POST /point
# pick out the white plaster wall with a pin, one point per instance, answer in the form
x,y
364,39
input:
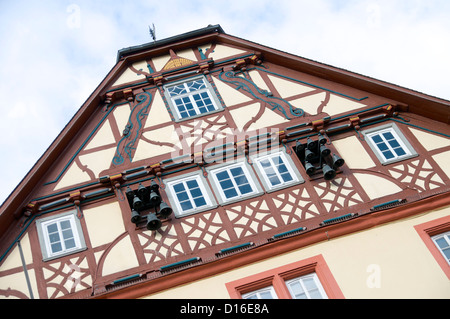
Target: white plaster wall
x,y
104,223
354,154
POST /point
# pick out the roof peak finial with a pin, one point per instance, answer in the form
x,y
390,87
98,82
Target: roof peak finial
x,y
152,31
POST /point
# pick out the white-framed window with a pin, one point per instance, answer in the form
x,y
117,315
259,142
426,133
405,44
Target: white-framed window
x,y
264,293
189,194
276,170
60,235
442,242
191,98
234,182
388,143
306,287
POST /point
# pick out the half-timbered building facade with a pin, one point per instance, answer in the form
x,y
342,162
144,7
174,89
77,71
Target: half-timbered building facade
x,y
208,166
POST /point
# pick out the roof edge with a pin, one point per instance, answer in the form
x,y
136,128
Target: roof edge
x,y
138,48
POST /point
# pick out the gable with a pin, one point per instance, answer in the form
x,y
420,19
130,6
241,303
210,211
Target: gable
x,y
167,114
137,123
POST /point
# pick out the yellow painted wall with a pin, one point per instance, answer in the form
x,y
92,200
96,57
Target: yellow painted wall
x,y
393,253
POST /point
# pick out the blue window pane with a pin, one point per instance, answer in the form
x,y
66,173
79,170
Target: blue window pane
x,y
182,109
67,233
182,196
230,193
184,115
399,151
54,237
269,171
196,192
186,205
192,184
245,189
442,243
388,154
266,295
265,163
447,253
388,136
394,143
200,201
237,171
377,139
56,247
178,187
282,169
225,184
196,85
382,146
176,90
222,175
274,180
65,224
52,228
286,177
70,243
203,110
241,180
188,103
297,289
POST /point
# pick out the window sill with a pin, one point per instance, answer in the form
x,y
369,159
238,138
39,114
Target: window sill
x,y
397,160
68,253
177,120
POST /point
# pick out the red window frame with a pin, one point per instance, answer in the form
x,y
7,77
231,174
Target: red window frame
x,y
430,229
277,277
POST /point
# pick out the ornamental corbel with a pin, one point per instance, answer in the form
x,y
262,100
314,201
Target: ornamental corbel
x,y
29,210
256,59
109,98
241,147
128,95
156,78
204,67
355,121
156,169
240,65
318,125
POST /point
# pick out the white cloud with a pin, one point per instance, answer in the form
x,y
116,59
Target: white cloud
x,y
54,56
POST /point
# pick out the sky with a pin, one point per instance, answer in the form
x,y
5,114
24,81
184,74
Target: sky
x,y
54,53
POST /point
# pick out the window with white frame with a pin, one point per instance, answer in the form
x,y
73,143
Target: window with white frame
x,y
191,98
60,235
234,182
306,287
276,170
189,194
442,242
264,293
388,143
